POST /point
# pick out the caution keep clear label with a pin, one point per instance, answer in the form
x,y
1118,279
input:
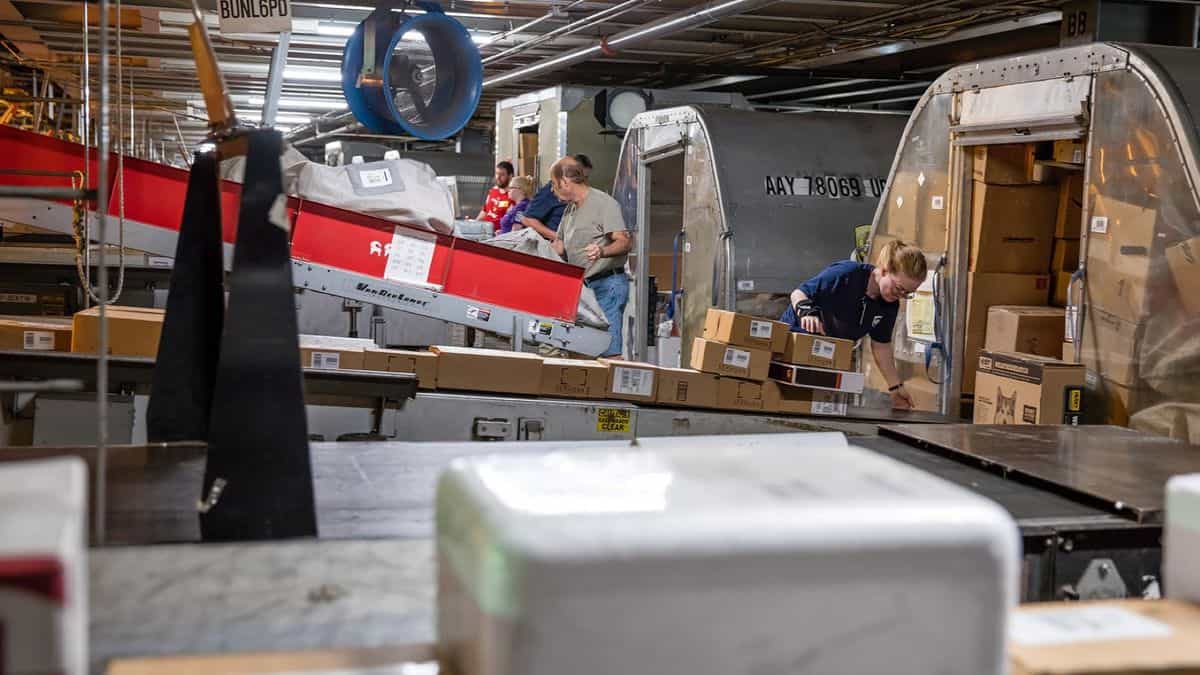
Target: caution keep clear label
x,y
254,16
613,420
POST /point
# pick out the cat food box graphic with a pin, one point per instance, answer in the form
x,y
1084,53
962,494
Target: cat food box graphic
x,y
1016,388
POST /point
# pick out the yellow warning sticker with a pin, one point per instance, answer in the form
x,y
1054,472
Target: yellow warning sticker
x,y
1075,400
613,420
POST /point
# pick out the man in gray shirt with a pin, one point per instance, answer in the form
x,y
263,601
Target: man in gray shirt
x,y
593,235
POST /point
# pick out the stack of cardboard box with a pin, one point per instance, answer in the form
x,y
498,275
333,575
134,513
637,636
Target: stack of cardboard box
x,y
738,349
812,375
1012,228
1068,225
1123,241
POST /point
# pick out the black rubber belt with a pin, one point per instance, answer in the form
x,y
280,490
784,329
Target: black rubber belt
x,y
186,367
258,438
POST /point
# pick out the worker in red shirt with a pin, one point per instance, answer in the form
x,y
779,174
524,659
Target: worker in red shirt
x,y
498,202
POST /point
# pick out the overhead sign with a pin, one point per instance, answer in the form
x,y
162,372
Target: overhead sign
x,y
255,16
829,187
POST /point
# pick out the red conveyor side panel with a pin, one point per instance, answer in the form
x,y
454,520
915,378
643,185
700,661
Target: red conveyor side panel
x,y
517,280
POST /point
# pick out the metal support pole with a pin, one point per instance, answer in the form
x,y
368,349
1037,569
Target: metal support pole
x,y
275,80
102,282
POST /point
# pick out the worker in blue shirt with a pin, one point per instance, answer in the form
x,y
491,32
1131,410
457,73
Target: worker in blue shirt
x,y
849,300
545,209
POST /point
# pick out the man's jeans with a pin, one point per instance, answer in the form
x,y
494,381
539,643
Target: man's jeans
x,y
612,292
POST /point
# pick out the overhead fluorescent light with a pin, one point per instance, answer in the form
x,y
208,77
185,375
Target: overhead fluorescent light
x,y
312,74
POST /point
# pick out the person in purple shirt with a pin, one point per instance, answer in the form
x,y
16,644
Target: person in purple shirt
x,y
519,191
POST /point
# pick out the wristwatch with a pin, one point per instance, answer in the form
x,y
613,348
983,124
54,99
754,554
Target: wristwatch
x,y
891,389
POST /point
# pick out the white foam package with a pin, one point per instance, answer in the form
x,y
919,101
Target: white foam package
x,y
1181,539
43,567
778,553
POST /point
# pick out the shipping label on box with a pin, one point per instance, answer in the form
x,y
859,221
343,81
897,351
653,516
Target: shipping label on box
x,y
1105,637
687,388
1013,388
784,398
817,378
719,358
632,382
818,350
745,330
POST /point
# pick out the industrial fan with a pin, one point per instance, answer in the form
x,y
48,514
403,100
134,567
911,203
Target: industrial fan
x,y
412,74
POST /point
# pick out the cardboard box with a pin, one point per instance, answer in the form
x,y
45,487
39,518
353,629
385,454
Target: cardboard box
x,y
719,358
1012,228
1183,259
1122,242
659,266
132,331
629,381
1031,330
686,388
916,209
330,352
745,331
1004,164
785,398
1065,257
735,394
924,393
1070,151
574,378
817,378
421,364
470,369
47,334
1111,345
1107,637
985,291
1068,223
1107,402
1068,352
818,350
1014,388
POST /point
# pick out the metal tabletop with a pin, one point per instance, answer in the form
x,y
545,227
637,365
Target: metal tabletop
x,y
1036,510
1119,470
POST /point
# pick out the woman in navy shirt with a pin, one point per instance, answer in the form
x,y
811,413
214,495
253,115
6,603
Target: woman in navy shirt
x,y
849,300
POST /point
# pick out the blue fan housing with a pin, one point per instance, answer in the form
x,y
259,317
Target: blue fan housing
x,y
459,74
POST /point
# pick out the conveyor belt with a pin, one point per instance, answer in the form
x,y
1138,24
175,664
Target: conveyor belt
x,y
1034,509
1119,470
